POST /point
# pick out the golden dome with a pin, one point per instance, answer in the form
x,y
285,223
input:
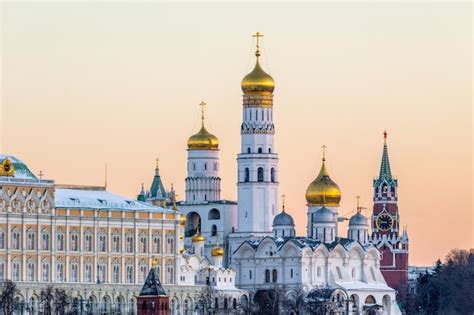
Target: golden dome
x,y
217,251
258,81
203,140
198,237
323,191
182,219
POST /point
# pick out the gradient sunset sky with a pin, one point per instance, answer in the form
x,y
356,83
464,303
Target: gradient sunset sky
x,y
86,84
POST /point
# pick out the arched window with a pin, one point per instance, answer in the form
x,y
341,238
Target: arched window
x,y
16,271
272,175
116,274
260,150
248,150
234,303
216,303
353,272
45,240
16,239
225,303
214,230
274,275
31,240
269,150
88,273
370,299
260,174
247,175
267,276
157,244
129,274
318,272
214,214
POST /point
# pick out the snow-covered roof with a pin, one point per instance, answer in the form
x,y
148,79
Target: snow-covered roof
x,y
100,199
20,170
363,286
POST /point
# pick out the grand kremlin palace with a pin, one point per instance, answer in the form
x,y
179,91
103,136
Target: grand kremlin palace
x,y
97,245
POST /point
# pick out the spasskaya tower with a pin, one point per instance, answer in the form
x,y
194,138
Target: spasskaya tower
x,y
386,234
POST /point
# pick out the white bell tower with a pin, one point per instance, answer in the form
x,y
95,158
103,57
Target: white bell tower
x,y
258,161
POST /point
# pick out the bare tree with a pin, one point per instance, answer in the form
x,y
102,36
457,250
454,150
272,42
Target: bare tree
x,y
46,298
62,301
268,300
7,297
294,301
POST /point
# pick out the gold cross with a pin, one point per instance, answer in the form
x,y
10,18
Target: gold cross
x,y
41,175
202,104
324,152
258,35
283,201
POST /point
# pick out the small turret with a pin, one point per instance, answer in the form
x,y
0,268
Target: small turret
x,y
358,226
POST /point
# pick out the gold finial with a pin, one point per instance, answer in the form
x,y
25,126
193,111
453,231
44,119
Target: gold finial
x,y
283,201
257,35
41,175
154,262
358,203
324,152
385,136
202,104
157,161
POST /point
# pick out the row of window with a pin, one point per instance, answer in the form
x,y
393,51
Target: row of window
x,y
88,242
260,175
258,114
259,150
101,275
205,166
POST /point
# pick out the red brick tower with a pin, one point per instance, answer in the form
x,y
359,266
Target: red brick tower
x,y
386,234
152,299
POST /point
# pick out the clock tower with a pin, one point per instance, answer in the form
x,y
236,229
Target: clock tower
x,y
386,234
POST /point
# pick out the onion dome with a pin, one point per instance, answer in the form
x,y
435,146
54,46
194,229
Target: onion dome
x,y
323,191
217,251
358,219
198,237
258,81
324,215
283,218
182,219
203,140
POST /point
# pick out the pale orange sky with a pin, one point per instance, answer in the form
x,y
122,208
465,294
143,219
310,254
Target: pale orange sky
x,y
89,83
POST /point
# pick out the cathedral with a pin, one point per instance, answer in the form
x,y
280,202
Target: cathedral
x,y
103,245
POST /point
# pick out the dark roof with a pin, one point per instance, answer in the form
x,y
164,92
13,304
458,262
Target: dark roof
x,y
157,189
152,286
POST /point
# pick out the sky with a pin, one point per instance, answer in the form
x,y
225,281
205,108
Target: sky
x,y
89,83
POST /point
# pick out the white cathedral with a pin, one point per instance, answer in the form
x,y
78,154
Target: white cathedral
x,y
260,247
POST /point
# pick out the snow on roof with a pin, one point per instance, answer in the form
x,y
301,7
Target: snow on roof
x,y
363,286
100,199
19,168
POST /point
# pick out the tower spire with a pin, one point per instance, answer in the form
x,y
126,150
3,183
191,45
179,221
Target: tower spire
x,y
385,172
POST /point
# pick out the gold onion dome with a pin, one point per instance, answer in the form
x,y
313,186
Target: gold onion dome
x,y
198,237
203,140
182,219
258,81
323,191
217,251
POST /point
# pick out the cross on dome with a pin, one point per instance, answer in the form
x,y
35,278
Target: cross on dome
x,y
257,36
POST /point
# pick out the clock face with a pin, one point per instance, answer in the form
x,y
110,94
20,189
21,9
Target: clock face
x,y
384,222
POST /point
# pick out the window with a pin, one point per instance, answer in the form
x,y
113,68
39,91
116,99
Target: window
x,y
318,272
157,244
259,150
74,272
194,166
45,241
142,273
170,275
102,273
129,274
205,166
247,175
129,244
16,271
248,150
353,272
74,241
291,273
31,271
60,272
267,276
214,214
339,274
31,240
116,243
116,274
214,230
45,272
272,175
88,273
269,150
102,243
250,274
215,167
16,240
2,239
143,244
274,275
260,174
2,271
60,242
170,245
88,243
